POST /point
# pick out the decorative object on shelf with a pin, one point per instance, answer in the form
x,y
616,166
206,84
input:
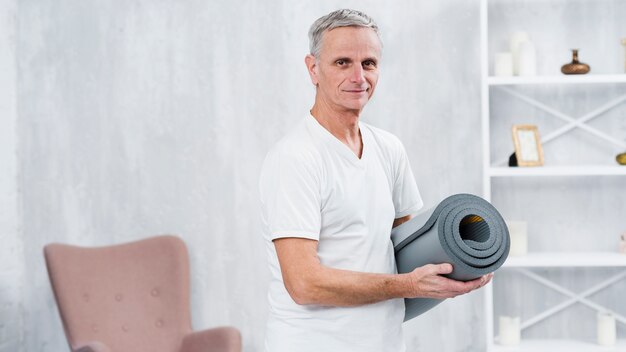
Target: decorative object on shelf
x,y
517,38
518,231
504,64
510,332
606,329
622,243
526,59
621,158
575,67
528,150
624,45
513,160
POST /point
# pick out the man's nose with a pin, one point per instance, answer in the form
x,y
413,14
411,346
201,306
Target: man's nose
x,y
357,74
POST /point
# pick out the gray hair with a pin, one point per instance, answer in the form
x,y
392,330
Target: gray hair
x,y
335,19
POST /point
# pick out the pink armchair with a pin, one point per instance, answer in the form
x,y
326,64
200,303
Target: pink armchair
x,y
130,297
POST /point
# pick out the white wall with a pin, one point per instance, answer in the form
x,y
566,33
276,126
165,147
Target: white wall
x,y
149,117
11,244
141,118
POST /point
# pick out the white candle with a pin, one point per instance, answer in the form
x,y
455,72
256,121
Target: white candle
x,y
510,333
519,237
624,44
514,43
527,62
504,64
606,329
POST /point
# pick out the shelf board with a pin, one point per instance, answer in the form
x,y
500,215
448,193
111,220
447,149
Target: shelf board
x,y
562,79
580,170
544,345
571,259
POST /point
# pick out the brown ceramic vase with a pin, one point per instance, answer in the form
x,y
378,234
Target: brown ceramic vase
x,y
575,67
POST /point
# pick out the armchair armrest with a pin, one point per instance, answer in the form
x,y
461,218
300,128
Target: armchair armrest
x,y
93,346
222,339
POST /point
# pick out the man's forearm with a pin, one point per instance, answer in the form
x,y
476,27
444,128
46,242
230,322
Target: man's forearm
x,y
308,281
336,287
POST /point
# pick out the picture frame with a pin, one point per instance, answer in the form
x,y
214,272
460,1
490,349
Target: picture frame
x,y
528,149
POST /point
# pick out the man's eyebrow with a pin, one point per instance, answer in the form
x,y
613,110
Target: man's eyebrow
x,y
347,59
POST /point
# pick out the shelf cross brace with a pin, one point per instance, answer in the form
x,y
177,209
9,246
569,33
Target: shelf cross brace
x,y
581,297
571,122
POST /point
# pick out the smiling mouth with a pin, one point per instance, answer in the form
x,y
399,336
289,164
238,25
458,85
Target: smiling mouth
x,y
356,90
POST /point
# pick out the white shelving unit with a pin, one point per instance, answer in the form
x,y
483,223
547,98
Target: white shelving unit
x,y
493,169
567,260
586,170
584,79
560,345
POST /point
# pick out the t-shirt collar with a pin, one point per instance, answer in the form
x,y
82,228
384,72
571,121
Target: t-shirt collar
x,y
331,141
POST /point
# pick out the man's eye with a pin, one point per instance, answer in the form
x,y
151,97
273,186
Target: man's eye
x,y
369,63
341,62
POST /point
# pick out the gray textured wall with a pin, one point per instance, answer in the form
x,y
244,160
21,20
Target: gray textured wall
x,y
147,117
12,276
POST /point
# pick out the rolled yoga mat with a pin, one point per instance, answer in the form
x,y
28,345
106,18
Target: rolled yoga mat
x,y
463,230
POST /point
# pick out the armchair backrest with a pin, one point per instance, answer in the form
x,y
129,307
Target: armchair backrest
x,y
131,297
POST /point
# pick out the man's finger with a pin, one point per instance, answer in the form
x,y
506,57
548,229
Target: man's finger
x,y
474,284
444,268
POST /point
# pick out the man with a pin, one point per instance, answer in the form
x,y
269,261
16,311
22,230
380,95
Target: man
x,y
331,191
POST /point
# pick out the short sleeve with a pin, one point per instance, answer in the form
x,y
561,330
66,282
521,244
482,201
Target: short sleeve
x,y
406,197
290,198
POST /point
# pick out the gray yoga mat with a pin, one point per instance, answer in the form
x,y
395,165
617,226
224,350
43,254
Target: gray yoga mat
x,y
463,230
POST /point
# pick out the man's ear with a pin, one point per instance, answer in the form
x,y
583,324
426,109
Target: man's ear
x,y
311,65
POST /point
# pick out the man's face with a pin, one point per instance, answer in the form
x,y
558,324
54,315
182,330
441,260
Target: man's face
x,y
346,71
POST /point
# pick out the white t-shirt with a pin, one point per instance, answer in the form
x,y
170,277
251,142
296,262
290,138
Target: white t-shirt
x,y
313,186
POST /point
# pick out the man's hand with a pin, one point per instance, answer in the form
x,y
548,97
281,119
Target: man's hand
x,y
427,281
